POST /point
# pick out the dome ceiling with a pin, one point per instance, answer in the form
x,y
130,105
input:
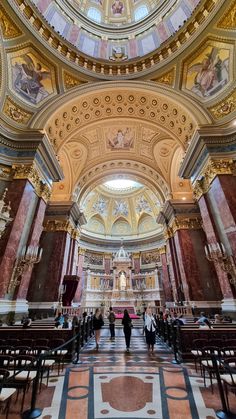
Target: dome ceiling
x,y
121,211
116,30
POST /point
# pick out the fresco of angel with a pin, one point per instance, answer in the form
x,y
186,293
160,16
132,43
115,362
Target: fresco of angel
x,y
28,79
122,139
211,74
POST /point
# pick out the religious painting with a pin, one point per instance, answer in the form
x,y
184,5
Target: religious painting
x,y
117,7
120,139
208,72
31,78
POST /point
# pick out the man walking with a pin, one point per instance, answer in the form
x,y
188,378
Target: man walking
x,y
112,319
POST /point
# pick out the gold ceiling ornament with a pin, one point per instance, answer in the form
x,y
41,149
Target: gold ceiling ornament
x,y
58,225
212,169
228,21
30,173
186,224
167,78
16,112
9,28
71,81
224,107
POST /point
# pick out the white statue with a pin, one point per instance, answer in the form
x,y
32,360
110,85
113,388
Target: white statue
x,y
122,281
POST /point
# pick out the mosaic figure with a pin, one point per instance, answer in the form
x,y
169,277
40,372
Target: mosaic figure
x,y
117,7
100,206
121,208
122,139
142,205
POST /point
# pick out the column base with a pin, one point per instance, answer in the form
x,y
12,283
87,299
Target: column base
x,y
18,306
228,306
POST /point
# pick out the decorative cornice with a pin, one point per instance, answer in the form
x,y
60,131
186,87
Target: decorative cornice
x,y
15,112
186,224
212,169
225,106
8,27
31,174
58,225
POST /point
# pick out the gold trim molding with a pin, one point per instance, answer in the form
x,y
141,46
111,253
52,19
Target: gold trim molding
x,y
186,224
71,81
162,250
31,174
224,107
16,112
9,28
61,225
228,21
212,169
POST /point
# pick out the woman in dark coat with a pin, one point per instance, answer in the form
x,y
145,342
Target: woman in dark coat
x,y
97,325
127,323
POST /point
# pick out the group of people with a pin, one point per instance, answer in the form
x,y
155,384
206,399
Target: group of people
x,y
149,327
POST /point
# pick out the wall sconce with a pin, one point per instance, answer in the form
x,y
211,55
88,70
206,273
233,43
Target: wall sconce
x,y
215,252
5,209
29,257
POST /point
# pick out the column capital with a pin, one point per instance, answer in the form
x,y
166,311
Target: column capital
x,y
107,255
82,251
162,250
58,225
186,224
136,255
29,172
212,168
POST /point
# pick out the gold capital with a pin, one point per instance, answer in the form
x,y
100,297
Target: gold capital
x,y
31,174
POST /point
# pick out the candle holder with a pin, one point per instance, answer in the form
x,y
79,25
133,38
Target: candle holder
x,y
30,256
216,253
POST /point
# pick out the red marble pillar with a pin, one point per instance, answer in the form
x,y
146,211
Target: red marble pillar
x,y
35,233
166,282
136,259
176,277
78,294
20,193
223,189
212,237
49,273
107,264
197,276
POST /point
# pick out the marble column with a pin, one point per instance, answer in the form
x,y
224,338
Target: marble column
x,y
59,242
81,274
166,281
136,263
107,263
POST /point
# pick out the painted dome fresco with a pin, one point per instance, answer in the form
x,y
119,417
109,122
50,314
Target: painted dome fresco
x,y
121,208
116,30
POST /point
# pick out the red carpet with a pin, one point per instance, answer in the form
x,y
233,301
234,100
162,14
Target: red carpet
x,y
132,316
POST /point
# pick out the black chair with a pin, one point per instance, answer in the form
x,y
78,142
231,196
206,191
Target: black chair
x,y
207,364
24,374
229,376
198,345
6,393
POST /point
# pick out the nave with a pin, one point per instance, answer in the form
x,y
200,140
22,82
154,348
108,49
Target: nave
x,y
110,383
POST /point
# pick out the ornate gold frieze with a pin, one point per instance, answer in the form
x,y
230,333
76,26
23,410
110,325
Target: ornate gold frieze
x,y
59,225
31,173
8,27
212,169
186,224
71,81
16,112
5,172
167,78
228,21
224,107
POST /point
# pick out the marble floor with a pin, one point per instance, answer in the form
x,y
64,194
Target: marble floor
x,y
113,384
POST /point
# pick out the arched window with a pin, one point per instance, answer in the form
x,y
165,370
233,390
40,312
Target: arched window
x,y
94,14
140,12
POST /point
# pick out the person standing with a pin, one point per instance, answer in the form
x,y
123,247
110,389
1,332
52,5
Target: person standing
x,y
112,319
150,329
127,324
97,325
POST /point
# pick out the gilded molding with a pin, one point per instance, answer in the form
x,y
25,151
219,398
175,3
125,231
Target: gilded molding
x,y
16,112
30,172
75,234
228,21
59,225
82,251
224,107
5,172
166,78
71,81
162,250
186,224
9,28
212,169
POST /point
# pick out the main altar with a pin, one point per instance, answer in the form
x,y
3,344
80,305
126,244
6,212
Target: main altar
x,y
122,287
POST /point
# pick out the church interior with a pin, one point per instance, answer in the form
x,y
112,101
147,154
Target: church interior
x,y
118,189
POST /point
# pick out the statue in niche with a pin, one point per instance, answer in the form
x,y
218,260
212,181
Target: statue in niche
x,y
122,281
